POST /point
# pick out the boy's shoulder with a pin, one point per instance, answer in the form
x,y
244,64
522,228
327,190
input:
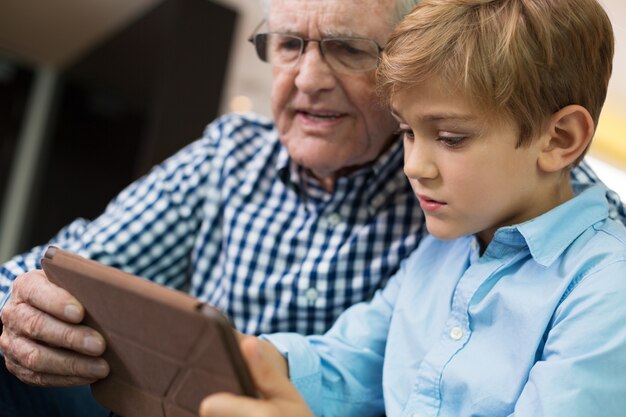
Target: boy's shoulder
x,y
579,232
599,254
605,233
606,237
583,175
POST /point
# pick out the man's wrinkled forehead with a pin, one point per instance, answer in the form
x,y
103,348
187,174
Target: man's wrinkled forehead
x,y
367,18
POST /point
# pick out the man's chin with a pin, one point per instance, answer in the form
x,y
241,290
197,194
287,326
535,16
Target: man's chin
x,y
320,164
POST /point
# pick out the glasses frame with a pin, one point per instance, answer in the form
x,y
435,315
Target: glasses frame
x,y
305,41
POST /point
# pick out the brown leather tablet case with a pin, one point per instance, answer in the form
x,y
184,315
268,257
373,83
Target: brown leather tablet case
x,y
166,350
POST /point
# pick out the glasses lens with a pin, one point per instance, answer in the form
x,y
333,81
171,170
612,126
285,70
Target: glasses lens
x,y
279,49
260,45
351,54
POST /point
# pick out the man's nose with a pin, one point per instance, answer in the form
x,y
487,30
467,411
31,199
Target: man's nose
x,y
314,73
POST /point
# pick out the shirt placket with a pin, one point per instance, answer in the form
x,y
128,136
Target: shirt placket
x,y
425,399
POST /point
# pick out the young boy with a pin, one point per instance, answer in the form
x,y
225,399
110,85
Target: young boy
x,y
515,303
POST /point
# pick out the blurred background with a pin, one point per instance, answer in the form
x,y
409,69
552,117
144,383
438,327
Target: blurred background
x,y
95,92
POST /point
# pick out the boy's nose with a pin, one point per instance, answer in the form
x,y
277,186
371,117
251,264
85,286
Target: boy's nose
x,y
418,164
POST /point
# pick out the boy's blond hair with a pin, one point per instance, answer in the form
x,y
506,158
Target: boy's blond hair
x,y
521,59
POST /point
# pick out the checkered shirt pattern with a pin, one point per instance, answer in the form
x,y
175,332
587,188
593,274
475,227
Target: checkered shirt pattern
x,y
231,220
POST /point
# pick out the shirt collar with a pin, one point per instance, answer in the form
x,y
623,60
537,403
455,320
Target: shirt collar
x,y
548,235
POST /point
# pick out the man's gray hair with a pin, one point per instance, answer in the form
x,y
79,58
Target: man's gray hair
x,y
402,8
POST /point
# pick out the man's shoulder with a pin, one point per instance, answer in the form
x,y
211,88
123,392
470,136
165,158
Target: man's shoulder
x,y
231,140
240,144
236,128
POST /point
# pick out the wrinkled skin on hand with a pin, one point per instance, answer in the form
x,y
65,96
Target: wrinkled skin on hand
x,y
43,342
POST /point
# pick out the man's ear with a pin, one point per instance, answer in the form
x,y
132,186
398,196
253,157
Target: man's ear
x,y
568,134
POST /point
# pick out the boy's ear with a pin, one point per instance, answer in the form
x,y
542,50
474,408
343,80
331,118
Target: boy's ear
x,y
568,134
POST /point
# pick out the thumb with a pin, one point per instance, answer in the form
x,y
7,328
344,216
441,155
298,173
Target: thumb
x,y
279,397
230,405
268,369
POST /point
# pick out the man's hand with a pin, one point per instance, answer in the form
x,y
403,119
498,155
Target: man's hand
x,y
42,341
279,397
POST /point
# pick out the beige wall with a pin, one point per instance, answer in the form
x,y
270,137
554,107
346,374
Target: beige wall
x,y
610,141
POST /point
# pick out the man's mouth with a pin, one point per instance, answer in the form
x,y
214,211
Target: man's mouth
x,y
321,116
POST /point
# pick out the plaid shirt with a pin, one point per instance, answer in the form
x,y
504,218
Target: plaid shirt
x,y
234,222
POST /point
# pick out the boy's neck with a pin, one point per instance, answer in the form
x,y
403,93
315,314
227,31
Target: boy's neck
x,y
553,193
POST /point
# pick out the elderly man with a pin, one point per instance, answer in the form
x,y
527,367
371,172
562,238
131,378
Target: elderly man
x,y
281,224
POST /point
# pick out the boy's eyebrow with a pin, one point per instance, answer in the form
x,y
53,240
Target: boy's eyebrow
x,y
439,116
448,116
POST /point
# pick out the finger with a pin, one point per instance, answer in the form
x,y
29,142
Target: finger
x,y
229,405
45,380
30,358
34,288
25,320
267,376
280,398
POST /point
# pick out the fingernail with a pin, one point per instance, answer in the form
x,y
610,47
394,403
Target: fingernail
x,y
72,312
93,345
98,370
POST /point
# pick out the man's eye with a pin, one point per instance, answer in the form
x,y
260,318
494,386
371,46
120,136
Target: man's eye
x,y
349,49
289,45
344,49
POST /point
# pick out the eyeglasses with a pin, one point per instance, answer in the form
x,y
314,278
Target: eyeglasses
x,y
344,54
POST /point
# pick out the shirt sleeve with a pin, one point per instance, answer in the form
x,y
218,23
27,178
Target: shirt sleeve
x,y
340,372
582,371
147,230
583,174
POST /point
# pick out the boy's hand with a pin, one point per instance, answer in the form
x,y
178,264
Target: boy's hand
x,y
279,397
42,340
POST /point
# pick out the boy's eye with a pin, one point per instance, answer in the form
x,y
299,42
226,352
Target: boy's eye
x,y
406,133
452,141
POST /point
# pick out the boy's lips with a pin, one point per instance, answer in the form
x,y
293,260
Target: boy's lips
x,y
428,204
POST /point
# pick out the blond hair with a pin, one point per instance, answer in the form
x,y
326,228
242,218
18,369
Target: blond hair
x,y
521,59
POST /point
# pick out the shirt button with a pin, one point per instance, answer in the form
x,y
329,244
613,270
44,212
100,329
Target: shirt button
x,y
333,219
311,294
456,333
474,245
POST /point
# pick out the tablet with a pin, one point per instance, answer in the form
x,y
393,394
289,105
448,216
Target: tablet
x,y
166,350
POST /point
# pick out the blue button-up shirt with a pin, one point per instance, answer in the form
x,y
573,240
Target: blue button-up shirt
x,y
536,326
